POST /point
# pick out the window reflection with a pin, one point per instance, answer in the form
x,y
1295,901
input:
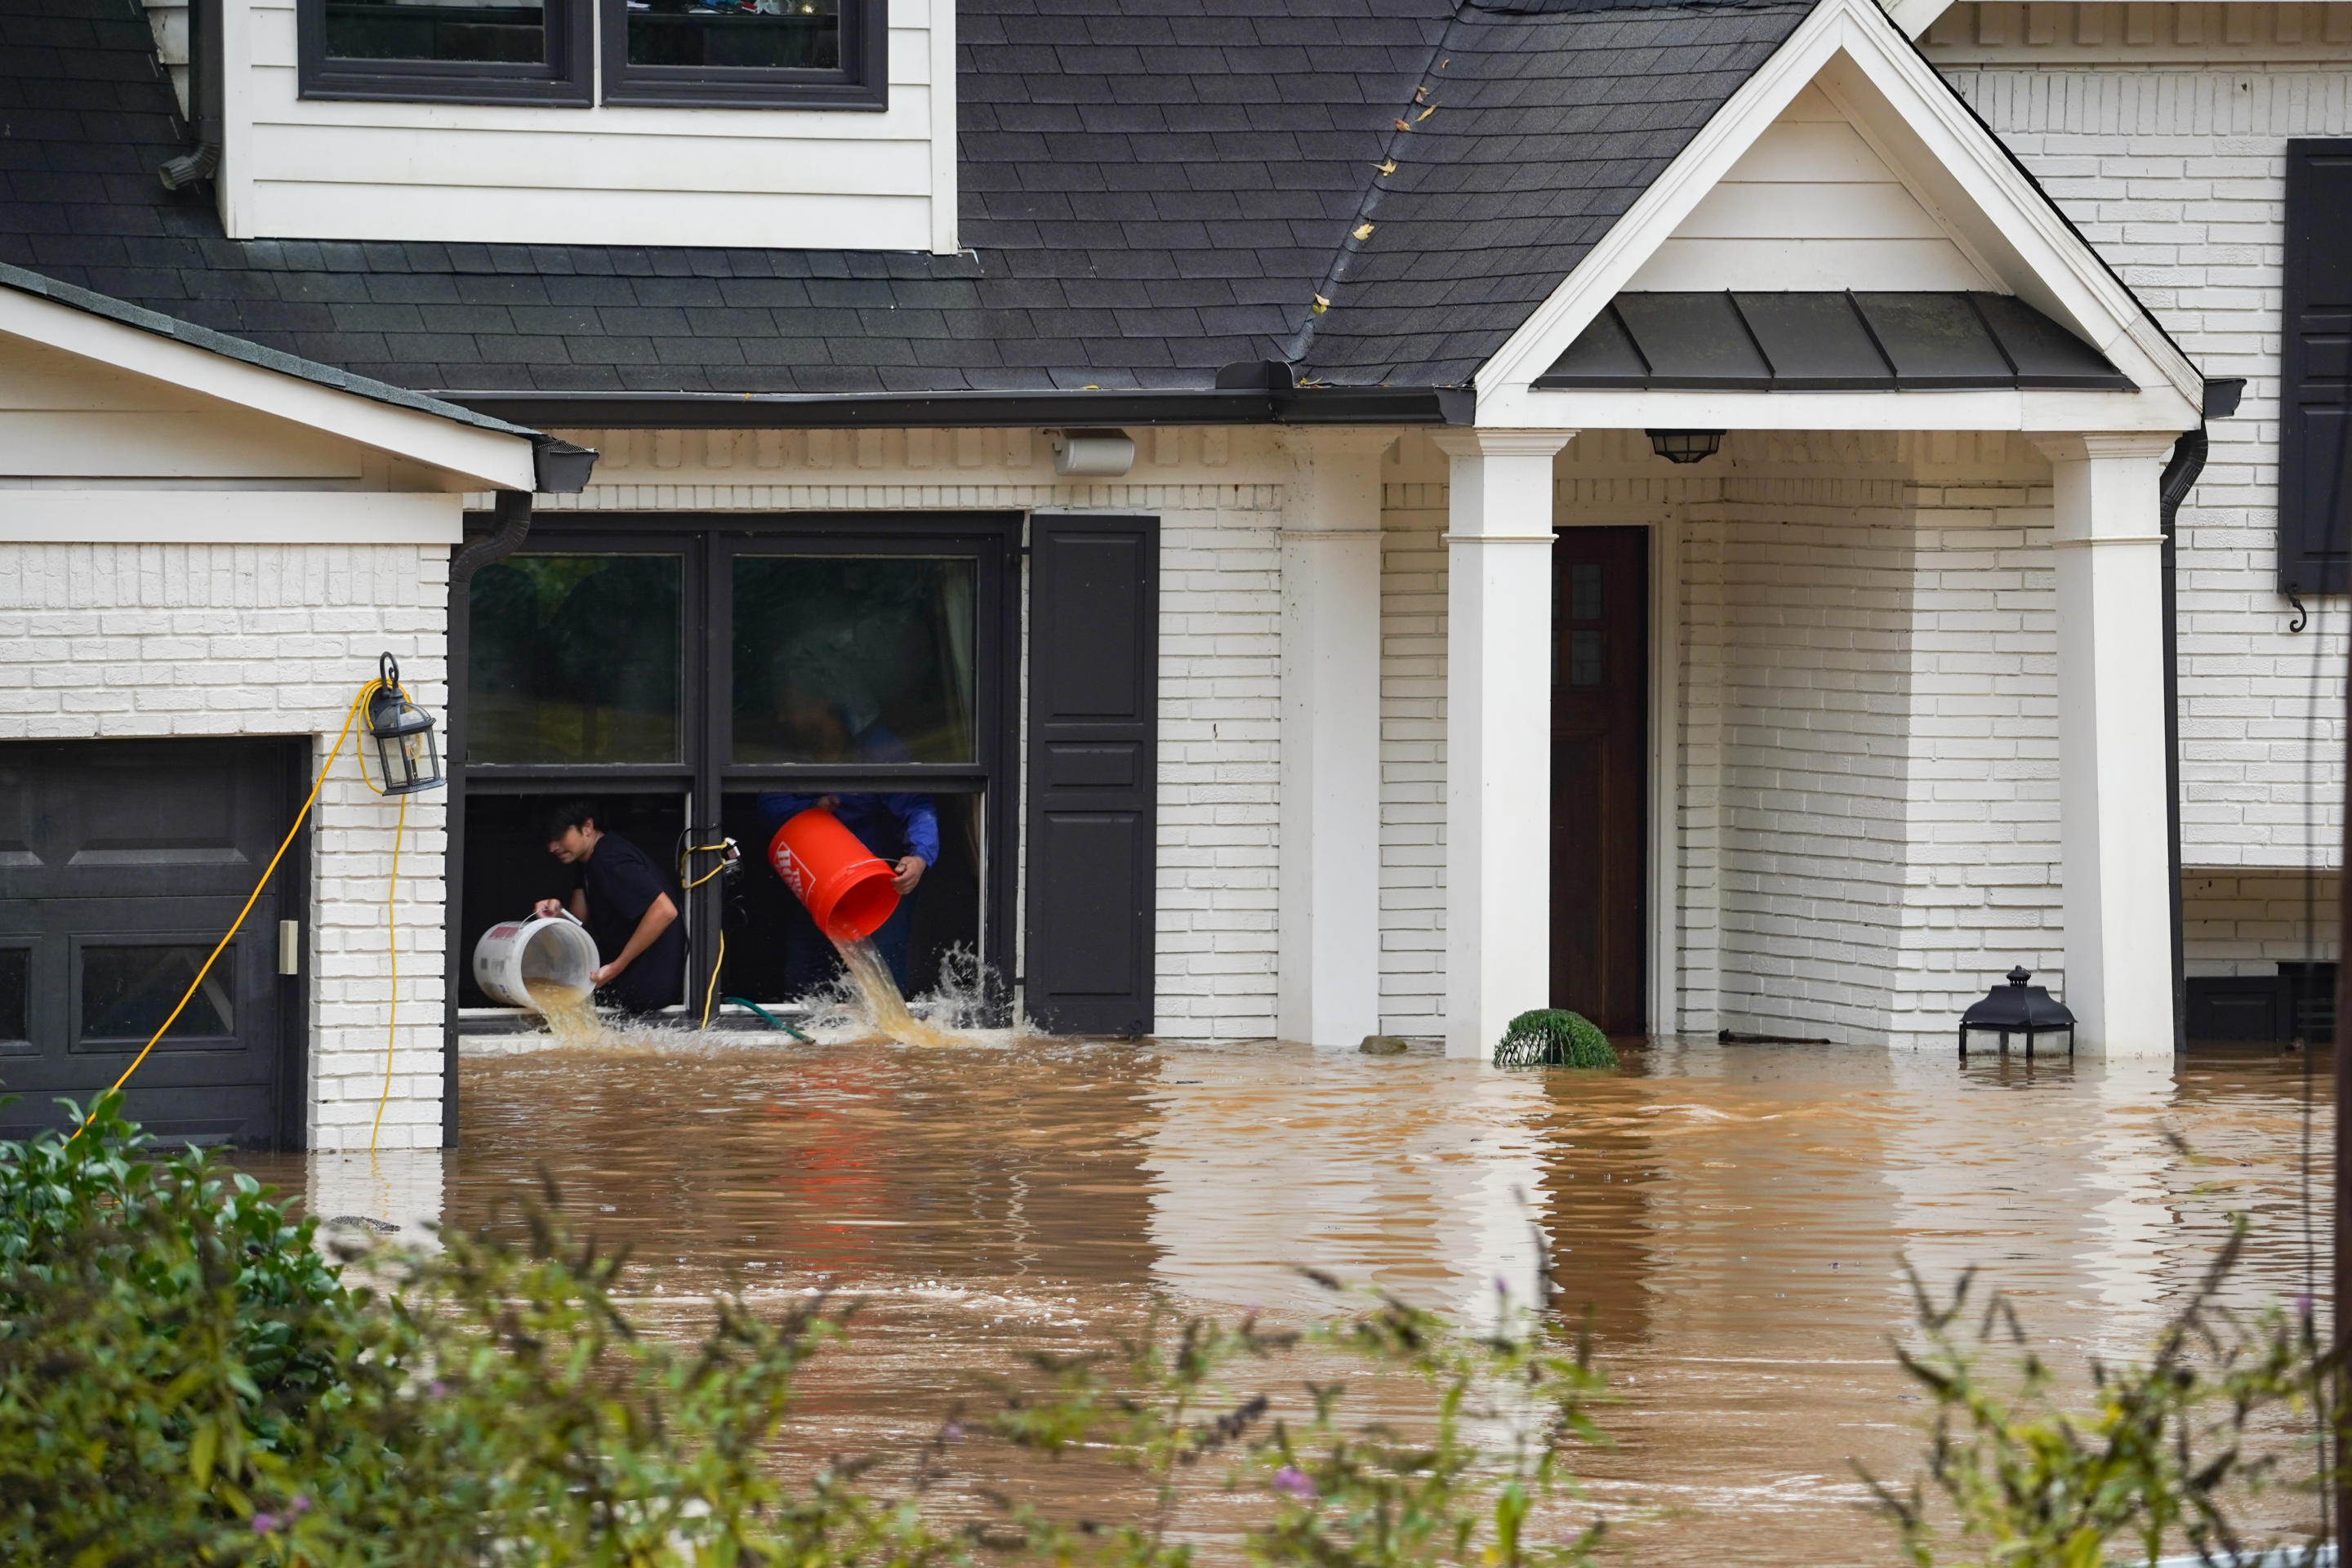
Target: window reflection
x,y
575,658
505,33
15,993
128,992
803,35
853,658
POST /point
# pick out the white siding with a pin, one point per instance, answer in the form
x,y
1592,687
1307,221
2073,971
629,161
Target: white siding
x,y
2163,136
784,178
1810,206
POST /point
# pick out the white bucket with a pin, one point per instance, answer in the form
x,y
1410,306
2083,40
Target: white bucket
x,y
537,948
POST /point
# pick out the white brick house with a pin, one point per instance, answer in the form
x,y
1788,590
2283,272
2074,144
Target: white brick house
x,y
1450,694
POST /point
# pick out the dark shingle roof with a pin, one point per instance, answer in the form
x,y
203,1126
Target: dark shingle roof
x,y
252,354
1150,191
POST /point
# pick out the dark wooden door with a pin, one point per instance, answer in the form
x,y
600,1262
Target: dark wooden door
x,y
1094,694
121,862
1600,774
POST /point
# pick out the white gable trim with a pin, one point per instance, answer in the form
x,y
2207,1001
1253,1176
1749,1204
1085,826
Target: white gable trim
x,y
467,457
1855,52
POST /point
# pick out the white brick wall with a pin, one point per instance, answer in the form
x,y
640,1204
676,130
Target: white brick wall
x,y
117,641
2238,922
1220,496
2165,142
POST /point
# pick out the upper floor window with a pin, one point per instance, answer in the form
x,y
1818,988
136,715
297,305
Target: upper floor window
x,y
745,54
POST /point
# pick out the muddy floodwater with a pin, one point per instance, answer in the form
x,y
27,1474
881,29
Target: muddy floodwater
x,y
1738,1217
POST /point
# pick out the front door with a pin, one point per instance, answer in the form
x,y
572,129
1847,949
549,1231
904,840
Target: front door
x,y
1600,773
121,862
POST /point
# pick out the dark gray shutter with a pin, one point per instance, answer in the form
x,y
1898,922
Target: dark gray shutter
x,y
1094,685
2314,544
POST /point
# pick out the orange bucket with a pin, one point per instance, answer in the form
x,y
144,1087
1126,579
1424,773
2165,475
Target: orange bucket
x,y
848,891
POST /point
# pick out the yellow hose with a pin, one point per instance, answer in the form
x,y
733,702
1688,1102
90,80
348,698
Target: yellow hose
x,y
391,956
350,716
710,993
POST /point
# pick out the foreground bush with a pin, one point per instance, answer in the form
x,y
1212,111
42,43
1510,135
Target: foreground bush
x,y
184,1379
2225,1407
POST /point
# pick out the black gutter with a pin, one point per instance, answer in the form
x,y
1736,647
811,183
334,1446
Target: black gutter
x,y
964,410
2179,475
2188,461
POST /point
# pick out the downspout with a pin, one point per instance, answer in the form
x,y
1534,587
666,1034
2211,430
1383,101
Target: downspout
x,y
2220,401
511,509
558,468
2180,477
206,122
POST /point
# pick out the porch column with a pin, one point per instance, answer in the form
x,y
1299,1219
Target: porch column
x,y
1327,906
2111,766
1498,659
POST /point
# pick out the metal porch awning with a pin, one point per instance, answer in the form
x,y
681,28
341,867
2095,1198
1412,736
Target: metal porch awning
x,y
1828,343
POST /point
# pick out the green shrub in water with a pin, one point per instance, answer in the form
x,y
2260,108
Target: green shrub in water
x,y
1552,1036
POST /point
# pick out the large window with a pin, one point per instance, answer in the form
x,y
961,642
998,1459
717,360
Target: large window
x,y
701,678
493,51
751,53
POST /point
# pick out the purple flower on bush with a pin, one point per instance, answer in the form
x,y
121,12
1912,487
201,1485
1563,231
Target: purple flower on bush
x,y
263,1524
300,1505
1294,1481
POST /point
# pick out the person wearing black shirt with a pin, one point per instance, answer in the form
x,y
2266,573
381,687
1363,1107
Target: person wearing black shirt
x,y
626,904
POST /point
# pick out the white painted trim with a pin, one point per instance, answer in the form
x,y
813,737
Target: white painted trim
x,y
2049,264
1915,17
1666,770
231,516
944,135
2163,411
471,458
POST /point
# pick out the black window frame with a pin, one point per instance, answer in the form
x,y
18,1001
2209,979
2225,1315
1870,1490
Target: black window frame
x,y
862,83
705,773
564,79
2314,548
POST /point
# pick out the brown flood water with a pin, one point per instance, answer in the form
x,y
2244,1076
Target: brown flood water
x,y
1737,1216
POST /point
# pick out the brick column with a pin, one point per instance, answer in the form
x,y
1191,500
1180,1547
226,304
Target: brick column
x,y
1498,658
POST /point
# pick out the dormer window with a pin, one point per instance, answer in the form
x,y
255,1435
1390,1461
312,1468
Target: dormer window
x,y
721,54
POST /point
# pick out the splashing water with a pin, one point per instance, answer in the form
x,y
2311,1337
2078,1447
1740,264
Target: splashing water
x,y
884,1007
571,1014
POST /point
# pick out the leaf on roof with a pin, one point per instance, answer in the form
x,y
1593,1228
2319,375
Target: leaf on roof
x,y
1424,114
1403,126
1385,166
1363,231
1420,94
1321,304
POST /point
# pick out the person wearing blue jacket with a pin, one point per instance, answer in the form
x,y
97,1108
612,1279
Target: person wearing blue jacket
x,y
902,830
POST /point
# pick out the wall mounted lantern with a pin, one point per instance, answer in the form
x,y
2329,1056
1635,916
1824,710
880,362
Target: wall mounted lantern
x,y
2018,1008
407,759
1686,446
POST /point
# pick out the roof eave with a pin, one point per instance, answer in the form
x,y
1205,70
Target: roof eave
x,y
971,410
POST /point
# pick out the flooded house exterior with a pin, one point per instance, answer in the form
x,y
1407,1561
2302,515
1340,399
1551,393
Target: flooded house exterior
x,y
1358,516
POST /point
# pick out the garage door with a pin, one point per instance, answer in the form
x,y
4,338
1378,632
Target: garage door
x,y
121,864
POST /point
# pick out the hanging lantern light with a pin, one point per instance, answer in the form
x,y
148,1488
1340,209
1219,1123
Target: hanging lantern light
x,y
1686,446
408,760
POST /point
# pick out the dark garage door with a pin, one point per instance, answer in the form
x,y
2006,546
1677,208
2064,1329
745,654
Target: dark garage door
x,y
121,864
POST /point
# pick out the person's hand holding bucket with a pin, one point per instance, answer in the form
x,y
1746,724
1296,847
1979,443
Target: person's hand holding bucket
x,y
849,890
